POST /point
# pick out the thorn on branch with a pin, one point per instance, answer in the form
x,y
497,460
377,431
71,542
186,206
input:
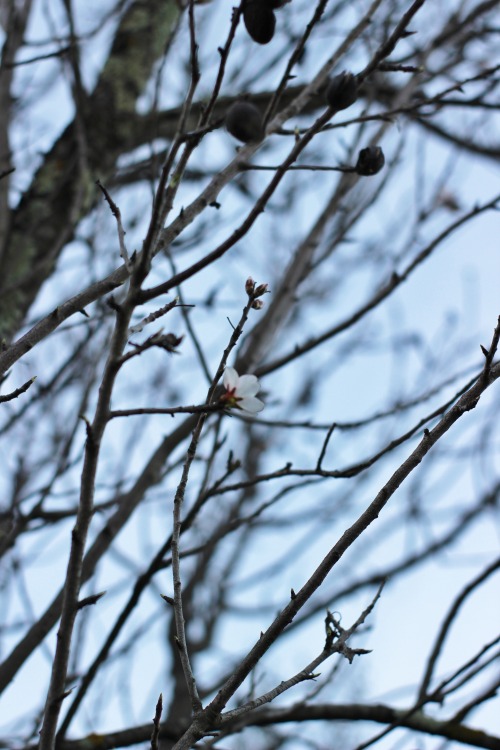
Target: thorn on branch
x,y
63,696
90,600
350,653
490,353
156,723
333,629
22,389
472,405
233,464
113,304
88,427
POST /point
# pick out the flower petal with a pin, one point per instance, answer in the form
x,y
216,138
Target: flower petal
x,y
230,378
248,385
251,404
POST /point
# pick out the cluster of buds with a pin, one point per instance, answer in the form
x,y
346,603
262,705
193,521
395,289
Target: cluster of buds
x,y
240,390
370,161
255,291
342,91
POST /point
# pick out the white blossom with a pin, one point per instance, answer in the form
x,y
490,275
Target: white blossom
x,y
241,391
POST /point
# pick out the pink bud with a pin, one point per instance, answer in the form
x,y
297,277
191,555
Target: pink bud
x,y
261,289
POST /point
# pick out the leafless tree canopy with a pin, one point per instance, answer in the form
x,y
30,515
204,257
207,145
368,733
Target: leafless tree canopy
x,y
302,191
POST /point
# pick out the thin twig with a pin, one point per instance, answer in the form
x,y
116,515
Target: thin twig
x,y
308,672
121,232
198,409
224,54
152,317
325,445
22,389
447,623
156,723
177,521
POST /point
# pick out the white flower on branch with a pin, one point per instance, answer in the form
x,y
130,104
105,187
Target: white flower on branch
x,y
241,391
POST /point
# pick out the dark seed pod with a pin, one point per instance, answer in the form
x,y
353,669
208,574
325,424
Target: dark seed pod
x,y
342,91
244,121
370,161
260,21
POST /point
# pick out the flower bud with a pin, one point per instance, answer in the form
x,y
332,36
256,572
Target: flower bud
x,y
261,289
342,91
249,286
260,21
370,161
244,122
257,304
